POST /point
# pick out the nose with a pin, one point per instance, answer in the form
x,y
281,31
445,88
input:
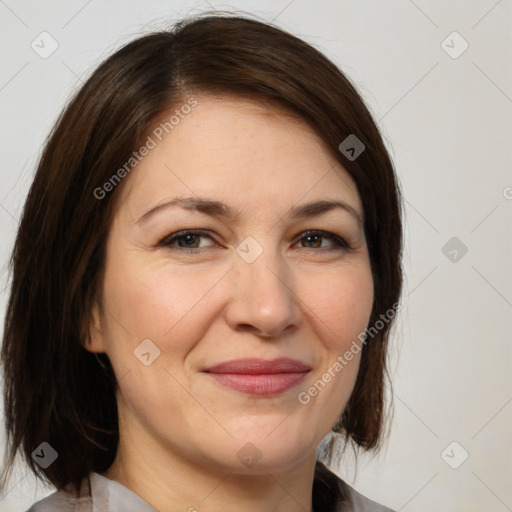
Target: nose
x,y
264,299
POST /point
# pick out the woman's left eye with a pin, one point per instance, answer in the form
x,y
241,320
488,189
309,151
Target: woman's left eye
x,y
315,238
190,241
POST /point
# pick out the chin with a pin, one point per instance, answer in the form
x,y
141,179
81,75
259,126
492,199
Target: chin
x,y
258,452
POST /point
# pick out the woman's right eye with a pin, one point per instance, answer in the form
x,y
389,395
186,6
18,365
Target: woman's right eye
x,y
187,241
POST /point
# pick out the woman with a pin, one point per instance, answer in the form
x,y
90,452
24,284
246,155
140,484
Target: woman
x,y
204,279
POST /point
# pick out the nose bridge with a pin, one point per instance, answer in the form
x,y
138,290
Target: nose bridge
x,y
267,272
265,297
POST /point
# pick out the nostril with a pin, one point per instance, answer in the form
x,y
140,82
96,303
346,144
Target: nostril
x,y
255,330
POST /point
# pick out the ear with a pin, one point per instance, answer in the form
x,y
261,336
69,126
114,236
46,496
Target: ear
x,y
94,339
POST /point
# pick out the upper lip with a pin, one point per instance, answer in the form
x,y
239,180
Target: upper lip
x,y
253,366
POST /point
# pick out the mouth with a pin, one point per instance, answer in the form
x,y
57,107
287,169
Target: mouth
x,y
259,377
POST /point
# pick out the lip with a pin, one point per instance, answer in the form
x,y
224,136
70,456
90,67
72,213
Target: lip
x,y
254,366
259,377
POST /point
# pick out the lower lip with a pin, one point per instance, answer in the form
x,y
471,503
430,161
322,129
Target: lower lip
x,y
261,385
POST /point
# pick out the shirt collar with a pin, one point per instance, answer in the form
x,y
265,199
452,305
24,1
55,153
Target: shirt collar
x,y
109,495
112,496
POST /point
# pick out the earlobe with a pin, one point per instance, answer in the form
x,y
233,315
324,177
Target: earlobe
x,y
93,341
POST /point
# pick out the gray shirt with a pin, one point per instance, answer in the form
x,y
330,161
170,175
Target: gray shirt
x,y
100,494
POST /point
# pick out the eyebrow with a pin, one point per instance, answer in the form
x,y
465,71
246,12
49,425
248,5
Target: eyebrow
x,y
222,210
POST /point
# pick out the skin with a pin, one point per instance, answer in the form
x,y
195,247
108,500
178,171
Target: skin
x,y
303,298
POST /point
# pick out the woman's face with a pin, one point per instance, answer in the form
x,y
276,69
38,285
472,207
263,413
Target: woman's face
x,y
251,284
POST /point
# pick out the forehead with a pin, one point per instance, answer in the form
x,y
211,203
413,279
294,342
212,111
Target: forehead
x,y
238,151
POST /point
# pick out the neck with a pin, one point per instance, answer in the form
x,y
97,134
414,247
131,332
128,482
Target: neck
x,y
170,482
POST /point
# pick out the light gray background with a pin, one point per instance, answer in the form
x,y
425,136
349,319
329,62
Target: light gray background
x,y
448,125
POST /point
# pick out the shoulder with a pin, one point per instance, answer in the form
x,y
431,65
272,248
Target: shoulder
x,y
332,494
356,502
59,501
65,501
97,493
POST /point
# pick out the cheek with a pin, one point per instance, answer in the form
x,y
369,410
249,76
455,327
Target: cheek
x,y
340,305
341,300
172,307
144,300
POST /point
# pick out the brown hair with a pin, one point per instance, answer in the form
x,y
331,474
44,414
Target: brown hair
x,y
55,390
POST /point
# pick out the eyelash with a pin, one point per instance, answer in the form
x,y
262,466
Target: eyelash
x,y
339,243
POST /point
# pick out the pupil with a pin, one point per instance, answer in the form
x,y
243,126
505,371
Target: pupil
x,y
189,239
314,239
